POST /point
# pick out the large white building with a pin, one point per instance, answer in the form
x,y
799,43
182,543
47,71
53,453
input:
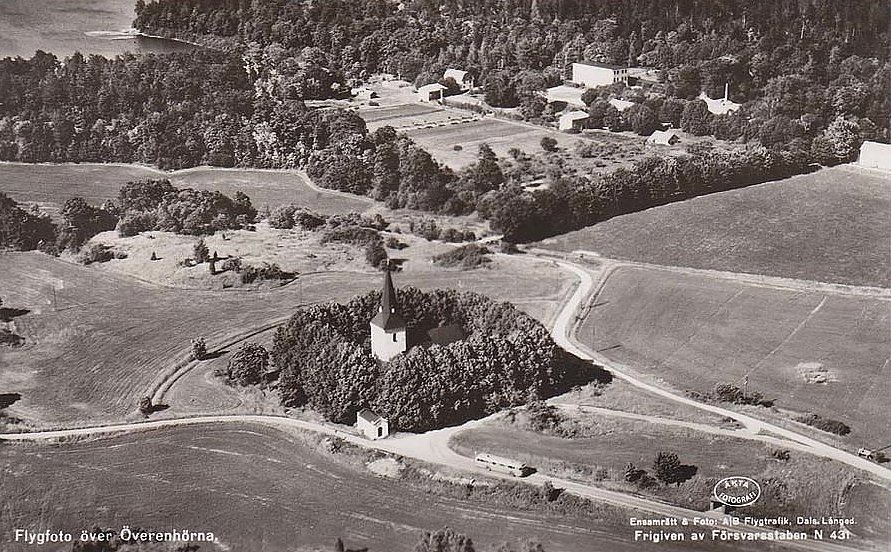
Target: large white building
x,y
591,74
431,92
875,155
388,330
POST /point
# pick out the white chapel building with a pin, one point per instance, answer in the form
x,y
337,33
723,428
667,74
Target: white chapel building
x,y
388,331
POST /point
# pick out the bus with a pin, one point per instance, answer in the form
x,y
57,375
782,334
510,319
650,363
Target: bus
x,y
501,464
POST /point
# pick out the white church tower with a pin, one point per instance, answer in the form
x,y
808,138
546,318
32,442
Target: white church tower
x,y
387,327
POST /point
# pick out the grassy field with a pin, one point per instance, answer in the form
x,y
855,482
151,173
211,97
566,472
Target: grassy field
x,y
51,185
269,491
812,486
108,337
830,226
694,331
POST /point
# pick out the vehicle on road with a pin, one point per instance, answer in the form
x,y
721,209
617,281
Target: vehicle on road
x,y
504,465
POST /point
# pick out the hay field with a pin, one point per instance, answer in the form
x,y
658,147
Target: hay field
x,y
109,336
51,185
830,226
270,492
694,331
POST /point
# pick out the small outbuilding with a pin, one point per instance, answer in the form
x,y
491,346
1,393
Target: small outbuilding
x,y
875,155
572,120
463,78
363,93
565,96
620,105
431,92
663,137
372,425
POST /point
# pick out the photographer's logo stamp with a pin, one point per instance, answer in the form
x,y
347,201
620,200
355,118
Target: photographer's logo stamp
x,y
737,491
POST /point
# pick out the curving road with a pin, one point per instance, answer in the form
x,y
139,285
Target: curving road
x,y
562,334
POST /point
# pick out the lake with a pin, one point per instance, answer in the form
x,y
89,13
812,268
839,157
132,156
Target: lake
x,y
62,27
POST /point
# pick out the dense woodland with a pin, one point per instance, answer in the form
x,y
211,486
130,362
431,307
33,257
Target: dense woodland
x,y
325,361
812,77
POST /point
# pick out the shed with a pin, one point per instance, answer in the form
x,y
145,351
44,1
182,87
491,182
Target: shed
x,y
372,425
572,120
363,93
875,155
431,92
569,95
664,137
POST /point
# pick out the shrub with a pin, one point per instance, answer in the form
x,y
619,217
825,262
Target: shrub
x,y
199,348
282,217
233,264
98,253
200,252
727,392
266,271
781,455
248,365
395,243
145,405
467,256
548,144
824,424
509,248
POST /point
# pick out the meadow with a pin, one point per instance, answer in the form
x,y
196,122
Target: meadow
x,y
829,226
97,341
270,491
693,331
50,185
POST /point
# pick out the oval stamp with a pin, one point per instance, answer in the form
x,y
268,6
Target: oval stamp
x,y
737,491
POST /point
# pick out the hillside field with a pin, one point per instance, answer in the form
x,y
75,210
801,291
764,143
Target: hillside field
x,y
830,226
693,331
269,491
50,185
96,347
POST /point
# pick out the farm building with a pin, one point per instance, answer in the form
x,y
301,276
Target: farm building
x,y
598,74
388,328
621,105
721,105
566,95
573,120
663,137
431,92
875,155
372,425
363,93
463,78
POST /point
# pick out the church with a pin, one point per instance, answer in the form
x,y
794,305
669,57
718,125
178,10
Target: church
x,y
389,331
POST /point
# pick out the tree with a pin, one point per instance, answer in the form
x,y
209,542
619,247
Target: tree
x,y
199,348
338,545
666,466
248,365
500,90
548,144
642,119
201,252
696,118
145,405
444,540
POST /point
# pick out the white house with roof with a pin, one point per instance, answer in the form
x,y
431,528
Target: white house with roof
x,y
620,105
593,74
372,425
431,92
572,120
463,78
569,95
720,106
875,155
664,138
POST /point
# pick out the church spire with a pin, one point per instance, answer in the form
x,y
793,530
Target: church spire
x,y
387,317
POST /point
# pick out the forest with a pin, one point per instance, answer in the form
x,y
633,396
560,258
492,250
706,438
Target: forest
x,y
812,80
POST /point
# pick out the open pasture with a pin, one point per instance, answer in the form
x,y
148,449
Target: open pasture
x,y
96,341
693,331
828,226
51,185
270,492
